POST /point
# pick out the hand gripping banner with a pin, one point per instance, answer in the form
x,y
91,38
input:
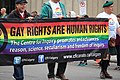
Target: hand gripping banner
x,y
52,40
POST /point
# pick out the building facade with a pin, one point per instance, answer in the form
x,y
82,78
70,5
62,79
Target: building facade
x,y
93,7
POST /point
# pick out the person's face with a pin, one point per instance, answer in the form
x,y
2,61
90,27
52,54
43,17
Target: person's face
x,y
109,9
21,7
2,11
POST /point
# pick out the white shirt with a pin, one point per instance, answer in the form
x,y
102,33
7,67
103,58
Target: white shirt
x,y
113,23
22,14
57,12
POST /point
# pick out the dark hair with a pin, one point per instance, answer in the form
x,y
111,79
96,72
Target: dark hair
x,y
118,15
34,12
85,16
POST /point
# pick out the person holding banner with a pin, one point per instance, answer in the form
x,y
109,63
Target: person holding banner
x,y
20,13
113,28
54,9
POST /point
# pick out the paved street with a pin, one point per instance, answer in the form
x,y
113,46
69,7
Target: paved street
x,y
73,72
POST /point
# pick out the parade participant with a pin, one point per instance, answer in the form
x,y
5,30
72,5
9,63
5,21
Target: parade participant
x,y
118,46
20,13
50,10
71,14
3,13
34,14
113,27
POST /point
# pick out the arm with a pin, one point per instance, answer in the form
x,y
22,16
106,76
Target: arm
x,y
63,9
44,12
118,27
10,16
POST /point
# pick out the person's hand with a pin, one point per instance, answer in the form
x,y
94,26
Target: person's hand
x,y
78,17
30,18
112,42
61,17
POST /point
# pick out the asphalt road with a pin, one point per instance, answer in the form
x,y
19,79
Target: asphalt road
x,y
73,72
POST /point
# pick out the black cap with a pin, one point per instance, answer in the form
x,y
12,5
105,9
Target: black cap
x,y
108,3
20,1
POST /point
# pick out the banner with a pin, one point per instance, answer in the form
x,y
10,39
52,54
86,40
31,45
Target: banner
x,y
52,40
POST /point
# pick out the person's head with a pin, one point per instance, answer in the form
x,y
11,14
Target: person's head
x,y
21,5
3,11
108,7
85,16
55,1
72,14
118,17
34,13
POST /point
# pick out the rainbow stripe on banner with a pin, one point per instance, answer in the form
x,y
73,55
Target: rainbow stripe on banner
x,y
30,38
